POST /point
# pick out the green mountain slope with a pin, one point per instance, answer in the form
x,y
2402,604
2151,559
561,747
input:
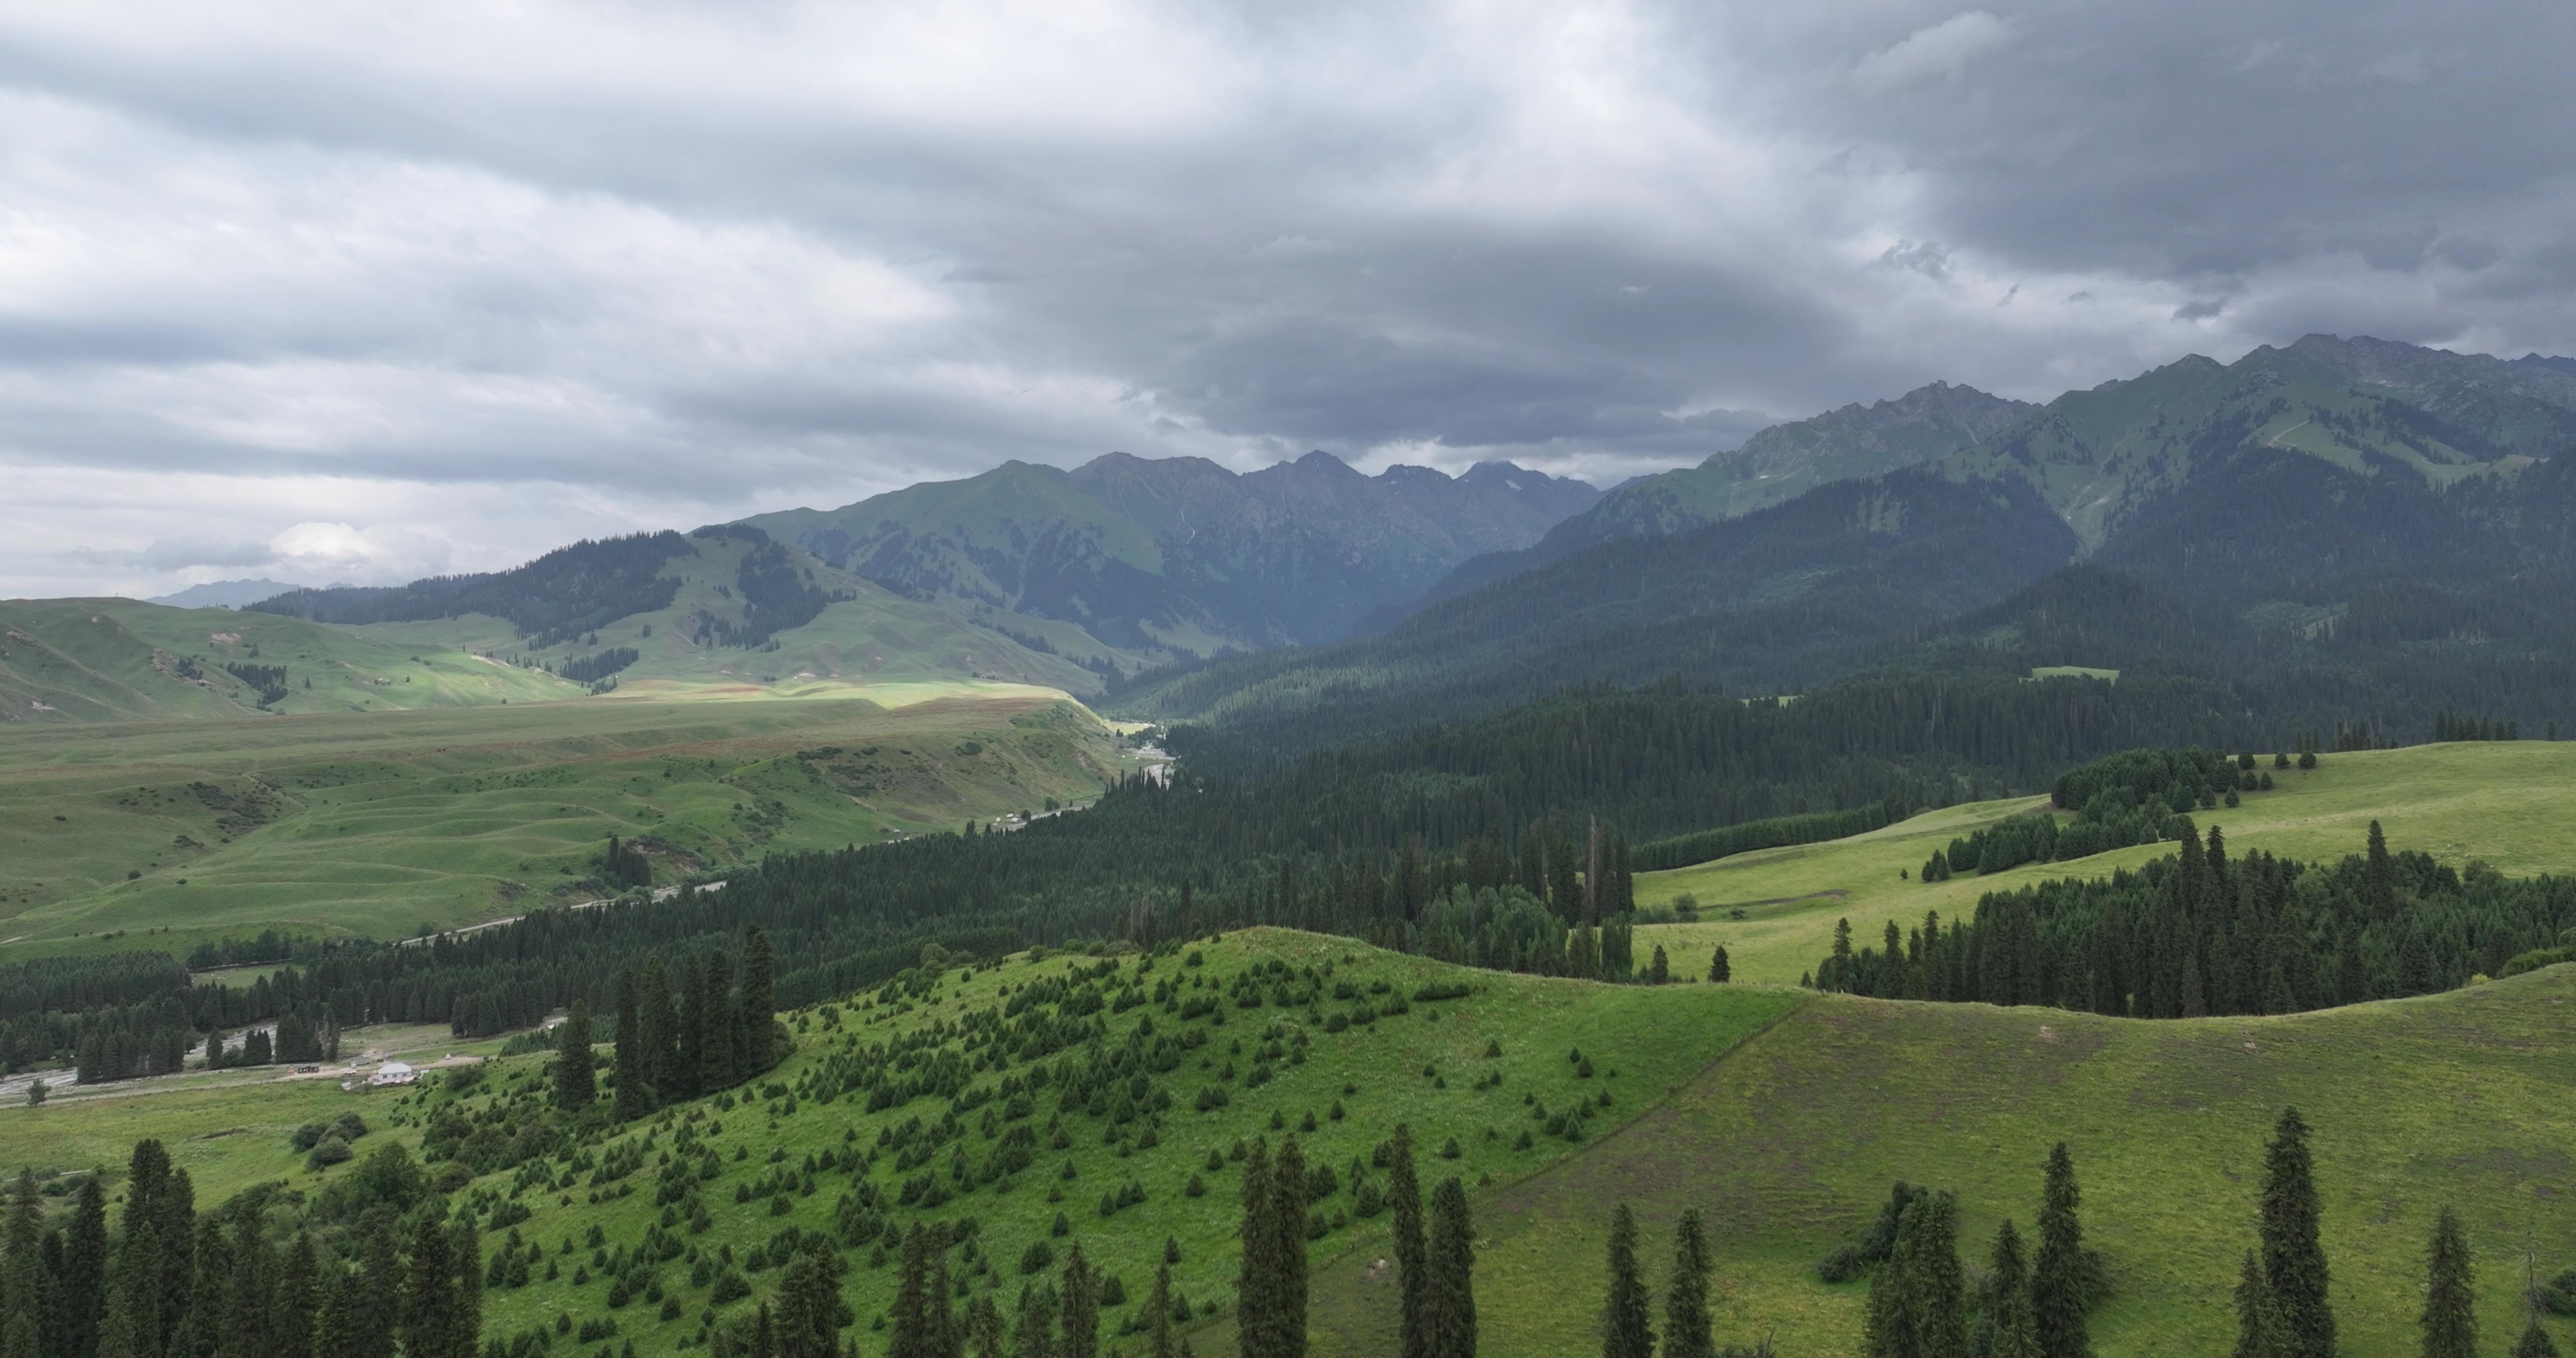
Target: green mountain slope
x,y
1772,467
373,824
1182,556
90,660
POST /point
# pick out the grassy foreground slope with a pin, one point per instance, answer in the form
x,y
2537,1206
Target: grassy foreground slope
x,y
376,823
2510,803
1789,1144
1279,1063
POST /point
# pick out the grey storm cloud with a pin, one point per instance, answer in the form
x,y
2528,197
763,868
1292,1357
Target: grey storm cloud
x,y
415,285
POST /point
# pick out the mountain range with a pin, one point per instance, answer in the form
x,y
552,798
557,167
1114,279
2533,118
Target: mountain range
x,y
2325,514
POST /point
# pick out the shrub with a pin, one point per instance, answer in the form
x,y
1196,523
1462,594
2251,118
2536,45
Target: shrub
x,y
1037,1258
329,1151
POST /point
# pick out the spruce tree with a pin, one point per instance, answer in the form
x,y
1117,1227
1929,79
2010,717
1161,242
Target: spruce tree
x,y
1717,968
429,1315
376,1291
1686,1323
466,1248
2378,876
913,1337
1928,1260
2008,1302
1082,1305
22,1303
689,1059
175,1230
1034,1334
2535,1342
757,1047
724,1029
298,1298
1451,1326
1157,1318
2294,1262
1404,1196
575,1083
634,1063
1288,1182
2257,1333
2450,1318
984,1326
250,1317
1256,1286
2057,1278
1624,1331
85,1255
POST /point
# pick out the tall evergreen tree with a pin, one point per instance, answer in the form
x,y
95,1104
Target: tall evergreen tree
x,y
757,1048
1404,1197
634,1061
375,1294
810,1312
429,1311
250,1315
657,1029
576,1086
2294,1262
85,1254
1288,1224
2378,876
466,1249
1928,1260
1081,1306
2008,1300
1686,1323
298,1298
1624,1331
201,1327
2257,1330
1450,1328
1157,1318
689,1062
724,1029
913,1336
2450,1317
984,1326
2057,1279
22,1303
174,1208
1256,1286
1034,1334
2535,1342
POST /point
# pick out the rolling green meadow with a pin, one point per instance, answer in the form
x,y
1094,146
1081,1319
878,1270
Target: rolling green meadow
x,y
2508,803
378,823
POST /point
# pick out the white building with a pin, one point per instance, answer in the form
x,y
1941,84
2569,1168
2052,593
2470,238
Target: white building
x,y
393,1073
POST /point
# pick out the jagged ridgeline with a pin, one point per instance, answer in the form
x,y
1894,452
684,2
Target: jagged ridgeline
x,y
2196,932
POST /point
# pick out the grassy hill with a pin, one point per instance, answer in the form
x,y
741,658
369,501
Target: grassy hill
x,y
1356,1083
2501,801
377,823
82,660
1790,1142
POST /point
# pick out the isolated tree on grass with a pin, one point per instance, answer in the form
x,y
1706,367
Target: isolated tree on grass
x,y
576,1082
2058,1284
1157,1319
1624,1331
1404,1195
1717,968
1450,1322
1686,1323
2294,1262
2450,1317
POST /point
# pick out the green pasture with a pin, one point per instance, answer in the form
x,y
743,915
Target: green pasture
x,y
378,823
1789,1143
2510,803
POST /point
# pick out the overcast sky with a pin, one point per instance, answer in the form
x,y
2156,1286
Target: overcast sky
x,y
366,291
